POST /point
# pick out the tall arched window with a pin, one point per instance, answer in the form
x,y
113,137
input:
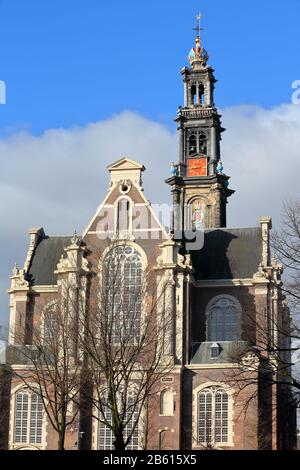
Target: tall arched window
x,y
50,327
192,145
213,416
197,143
28,419
106,436
203,143
193,94
201,94
223,319
123,286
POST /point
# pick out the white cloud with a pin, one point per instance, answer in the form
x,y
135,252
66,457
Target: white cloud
x,y
261,153
58,179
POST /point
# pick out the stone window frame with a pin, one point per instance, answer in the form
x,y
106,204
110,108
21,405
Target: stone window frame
x,y
49,305
230,392
144,261
96,425
193,96
203,199
25,445
197,132
239,313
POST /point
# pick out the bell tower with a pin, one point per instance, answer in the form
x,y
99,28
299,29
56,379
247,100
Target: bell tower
x,y
198,181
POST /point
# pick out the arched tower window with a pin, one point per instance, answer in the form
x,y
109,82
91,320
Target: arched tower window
x,y
122,284
193,94
192,144
197,143
197,94
212,416
203,143
201,94
28,419
223,319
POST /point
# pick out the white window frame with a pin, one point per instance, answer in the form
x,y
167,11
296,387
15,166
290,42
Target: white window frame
x,y
29,444
134,252
108,435
217,386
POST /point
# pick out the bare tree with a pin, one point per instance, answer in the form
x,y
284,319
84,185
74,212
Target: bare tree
x,y
271,362
286,244
125,337
5,384
53,366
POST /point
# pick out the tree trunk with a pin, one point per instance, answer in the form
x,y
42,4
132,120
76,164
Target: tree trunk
x,y
61,439
61,442
119,444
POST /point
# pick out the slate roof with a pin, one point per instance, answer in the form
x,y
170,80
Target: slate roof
x,y
230,352
228,254
24,354
45,259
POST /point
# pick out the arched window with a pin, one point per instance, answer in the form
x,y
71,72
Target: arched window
x,y
166,405
105,434
123,287
213,416
193,94
197,143
203,143
201,94
50,324
28,419
223,319
192,145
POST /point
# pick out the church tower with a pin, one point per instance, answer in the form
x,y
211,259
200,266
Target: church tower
x,y
197,181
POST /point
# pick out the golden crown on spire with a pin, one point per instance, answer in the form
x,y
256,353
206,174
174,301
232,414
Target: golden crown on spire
x,y
198,54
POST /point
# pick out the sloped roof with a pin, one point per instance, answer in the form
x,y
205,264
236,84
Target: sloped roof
x,y
230,352
45,259
228,254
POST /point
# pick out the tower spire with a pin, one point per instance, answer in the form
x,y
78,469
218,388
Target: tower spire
x,y
198,56
198,27
198,179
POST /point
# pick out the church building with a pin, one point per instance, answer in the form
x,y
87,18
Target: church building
x,y
224,290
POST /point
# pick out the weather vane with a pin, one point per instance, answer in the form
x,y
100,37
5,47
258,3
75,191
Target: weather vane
x,y
198,27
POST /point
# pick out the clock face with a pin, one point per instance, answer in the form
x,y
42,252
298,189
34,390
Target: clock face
x,y
197,167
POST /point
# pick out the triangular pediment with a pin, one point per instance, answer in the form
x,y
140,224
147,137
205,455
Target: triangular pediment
x,y
124,164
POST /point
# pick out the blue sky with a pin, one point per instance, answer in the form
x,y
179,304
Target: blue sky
x,y
89,81
69,62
